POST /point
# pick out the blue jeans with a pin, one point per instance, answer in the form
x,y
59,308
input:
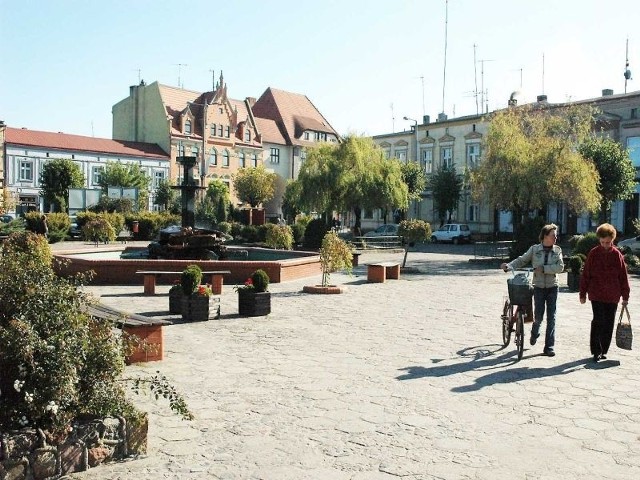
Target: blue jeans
x,y
545,298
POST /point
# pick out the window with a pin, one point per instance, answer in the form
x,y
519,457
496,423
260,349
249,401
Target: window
x,y
247,134
213,130
634,113
254,160
633,144
367,213
473,155
187,127
321,137
401,155
213,157
220,130
473,213
446,156
158,176
306,135
275,155
387,154
26,170
180,150
96,173
195,151
241,160
427,160
226,132
225,158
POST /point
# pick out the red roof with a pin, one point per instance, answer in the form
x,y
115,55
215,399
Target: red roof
x,y
78,143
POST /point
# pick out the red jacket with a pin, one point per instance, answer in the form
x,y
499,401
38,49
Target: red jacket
x,y
604,276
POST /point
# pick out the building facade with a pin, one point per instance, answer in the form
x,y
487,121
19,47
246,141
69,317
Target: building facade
x,y
224,134
27,151
458,142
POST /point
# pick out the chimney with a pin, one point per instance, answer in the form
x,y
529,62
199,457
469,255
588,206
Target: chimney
x,y
442,117
542,99
606,92
426,119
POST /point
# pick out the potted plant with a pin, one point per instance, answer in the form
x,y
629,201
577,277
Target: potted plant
x,y
576,264
254,299
196,297
335,254
175,297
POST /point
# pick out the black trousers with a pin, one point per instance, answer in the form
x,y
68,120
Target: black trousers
x,y
604,317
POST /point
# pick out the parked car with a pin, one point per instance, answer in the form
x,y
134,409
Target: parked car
x,y
388,229
452,232
6,218
633,243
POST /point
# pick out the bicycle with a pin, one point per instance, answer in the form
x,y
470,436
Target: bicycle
x,y
515,307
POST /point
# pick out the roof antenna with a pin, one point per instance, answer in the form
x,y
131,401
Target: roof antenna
x,y
627,72
180,65
446,26
393,119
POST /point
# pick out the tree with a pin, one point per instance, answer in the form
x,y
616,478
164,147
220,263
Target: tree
x,y
254,185
291,200
531,159
56,178
218,193
615,168
116,174
351,176
446,184
165,195
413,175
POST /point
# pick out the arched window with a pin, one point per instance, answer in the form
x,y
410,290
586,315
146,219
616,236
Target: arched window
x,y
187,127
213,157
225,158
241,160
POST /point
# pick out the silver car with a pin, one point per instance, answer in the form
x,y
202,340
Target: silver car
x,y
452,232
388,229
632,243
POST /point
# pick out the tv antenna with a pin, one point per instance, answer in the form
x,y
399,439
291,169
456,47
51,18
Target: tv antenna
x,y
139,73
180,65
424,111
393,120
444,74
483,91
543,73
475,76
627,72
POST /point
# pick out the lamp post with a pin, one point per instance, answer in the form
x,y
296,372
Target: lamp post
x,y
415,128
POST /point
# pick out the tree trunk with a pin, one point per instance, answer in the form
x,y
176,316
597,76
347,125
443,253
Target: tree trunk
x,y
357,227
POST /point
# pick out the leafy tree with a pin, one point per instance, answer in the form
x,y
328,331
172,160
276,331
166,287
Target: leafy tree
x,y
218,194
165,195
616,171
254,185
56,178
446,184
291,200
351,176
531,159
413,175
125,175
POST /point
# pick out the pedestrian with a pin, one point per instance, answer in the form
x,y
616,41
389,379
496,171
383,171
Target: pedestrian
x,y
546,260
44,228
604,278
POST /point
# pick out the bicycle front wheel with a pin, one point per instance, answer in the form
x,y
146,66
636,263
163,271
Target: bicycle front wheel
x,y
520,332
506,323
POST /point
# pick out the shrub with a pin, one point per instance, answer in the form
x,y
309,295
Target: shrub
x,y
260,280
98,230
59,225
224,227
576,263
315,233
586,243
413,231
297,229
150,223
632,261
279,236
249,233
335,254
190,279
236,229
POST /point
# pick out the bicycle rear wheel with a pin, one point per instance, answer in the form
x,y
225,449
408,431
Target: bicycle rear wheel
x,y
506,323
520,331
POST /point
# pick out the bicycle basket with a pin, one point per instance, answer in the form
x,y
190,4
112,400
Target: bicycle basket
x,y
520,289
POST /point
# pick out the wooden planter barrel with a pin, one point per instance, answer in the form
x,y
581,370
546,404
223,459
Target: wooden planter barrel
x,y
252,304
195,308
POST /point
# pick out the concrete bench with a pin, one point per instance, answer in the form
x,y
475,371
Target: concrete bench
x,y
150,276
147,329
379,272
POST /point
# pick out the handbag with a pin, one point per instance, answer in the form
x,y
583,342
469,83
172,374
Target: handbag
x,y
624,335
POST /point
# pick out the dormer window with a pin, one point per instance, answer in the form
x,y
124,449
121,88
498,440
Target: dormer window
x,y
306,135
247,134
187,127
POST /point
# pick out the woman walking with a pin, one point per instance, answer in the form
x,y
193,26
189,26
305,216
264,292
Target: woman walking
x,y
605,280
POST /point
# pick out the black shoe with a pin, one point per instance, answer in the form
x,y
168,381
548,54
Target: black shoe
x,y
596,358
533,339
550,353
603,357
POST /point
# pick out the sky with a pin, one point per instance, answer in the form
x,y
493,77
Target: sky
x,y
365,64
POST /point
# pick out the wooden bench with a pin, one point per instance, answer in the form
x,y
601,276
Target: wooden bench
x,y
150,276
147,329
379,272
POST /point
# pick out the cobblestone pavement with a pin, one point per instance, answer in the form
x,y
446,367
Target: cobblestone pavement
x,y
402,380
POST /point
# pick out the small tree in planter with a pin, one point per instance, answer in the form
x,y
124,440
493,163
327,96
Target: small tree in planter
x,y
335,254
412,232
195,301
576,264
254,299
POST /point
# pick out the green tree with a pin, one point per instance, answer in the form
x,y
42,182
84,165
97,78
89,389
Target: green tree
x,y
446,184
616,171
351,176
165,195
116,174
56,178
291,200
413,175
254,185
218,194
531,159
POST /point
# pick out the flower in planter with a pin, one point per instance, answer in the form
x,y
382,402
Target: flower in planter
x,y
203,291
248,285
258,282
